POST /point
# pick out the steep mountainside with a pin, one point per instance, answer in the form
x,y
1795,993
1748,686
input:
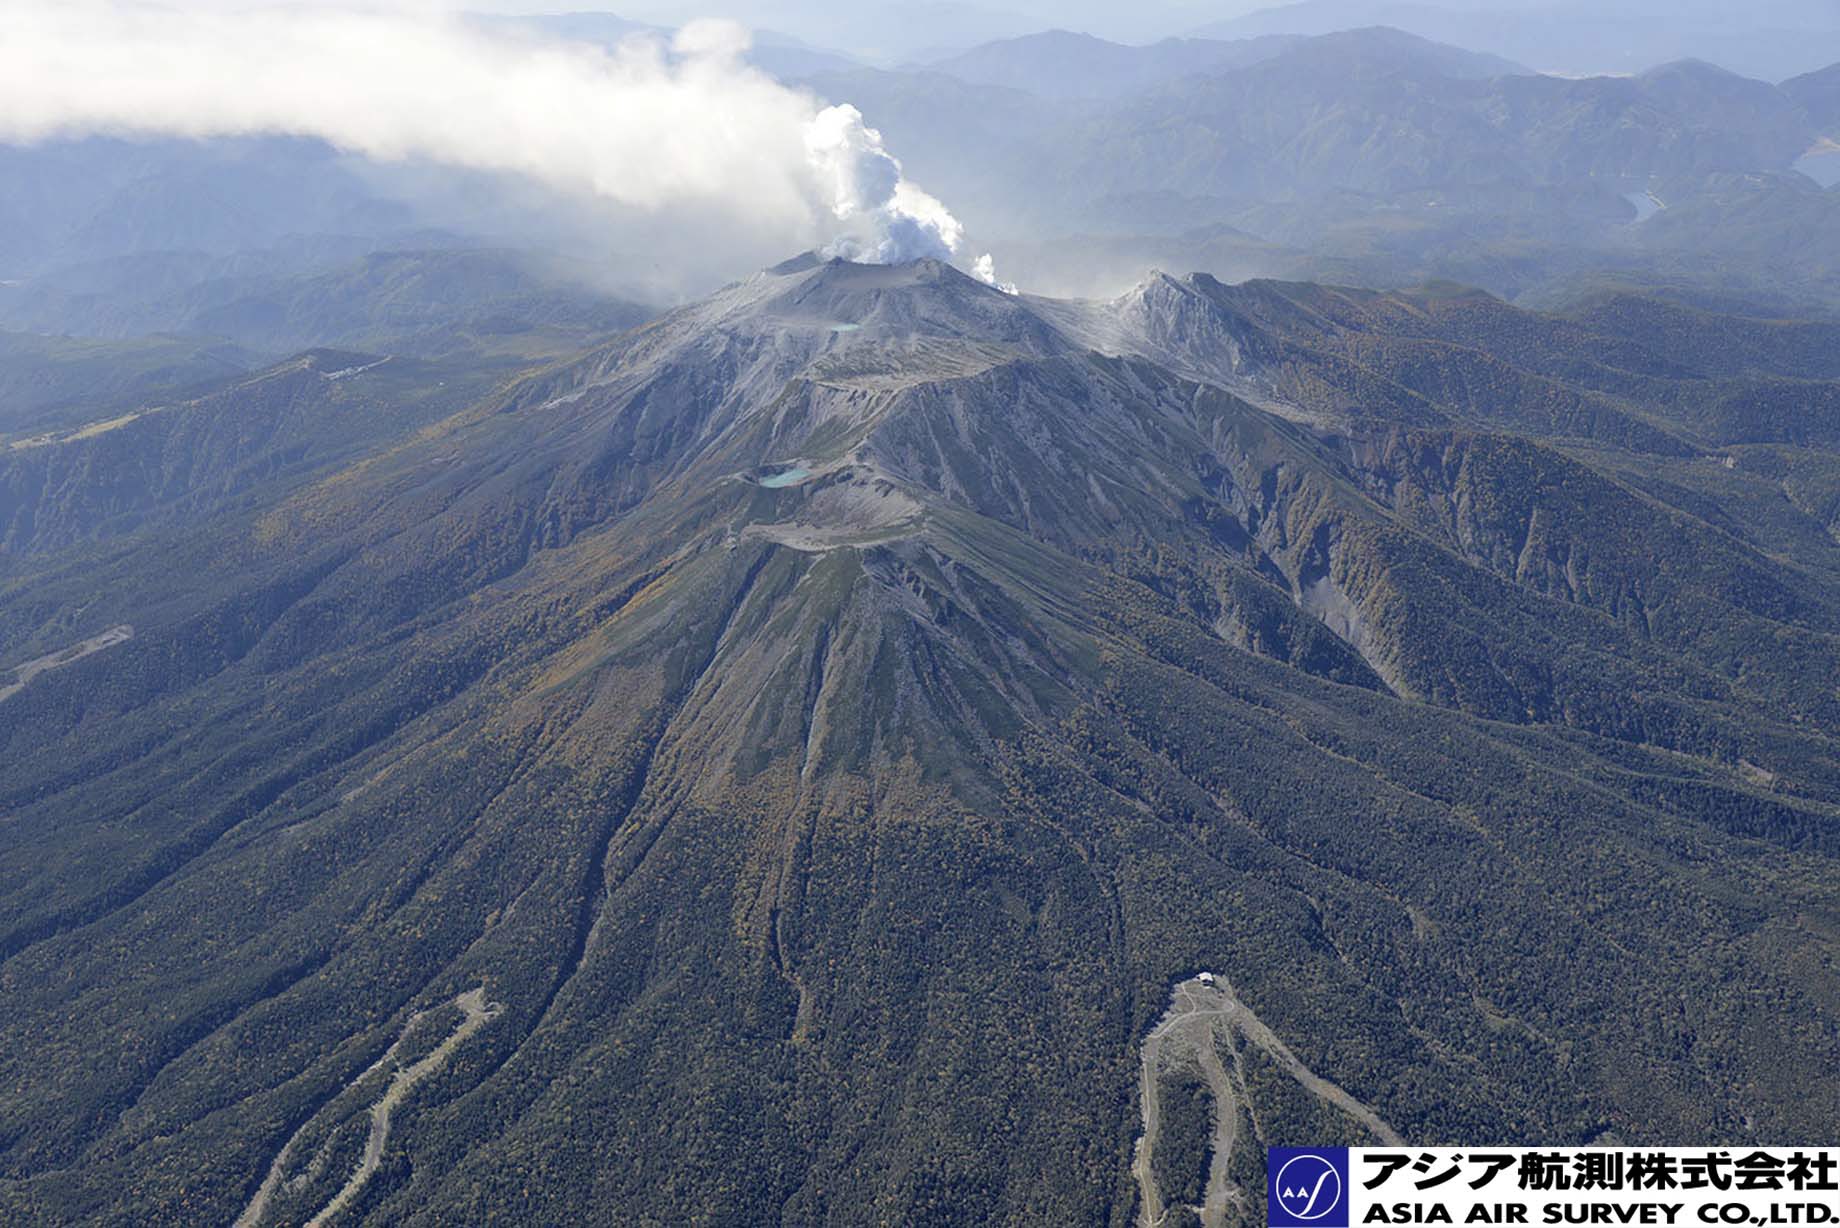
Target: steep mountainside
x,y
774,767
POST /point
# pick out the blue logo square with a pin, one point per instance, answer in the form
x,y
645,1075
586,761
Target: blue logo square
x,y
1306,1187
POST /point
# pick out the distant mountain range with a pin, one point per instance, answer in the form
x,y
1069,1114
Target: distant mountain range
x,y
1063,65
1059,64
1381,113
1369,109
1772,41
1769,39
1376,156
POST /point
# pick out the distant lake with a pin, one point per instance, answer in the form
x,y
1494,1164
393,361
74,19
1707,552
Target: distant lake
x,y
786,478
1821,165
1646,205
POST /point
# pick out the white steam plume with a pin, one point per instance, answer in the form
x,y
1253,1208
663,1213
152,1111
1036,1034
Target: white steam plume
x,y
648,127
887,219
984,268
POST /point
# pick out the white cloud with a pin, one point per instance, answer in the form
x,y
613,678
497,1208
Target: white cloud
x,y
686,130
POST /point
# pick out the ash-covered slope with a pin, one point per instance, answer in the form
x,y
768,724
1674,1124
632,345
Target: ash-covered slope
x,y
773,768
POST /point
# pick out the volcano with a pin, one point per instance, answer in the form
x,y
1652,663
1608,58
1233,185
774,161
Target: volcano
x,y
776,766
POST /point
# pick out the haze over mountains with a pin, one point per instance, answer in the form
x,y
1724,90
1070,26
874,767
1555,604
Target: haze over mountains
x,y
510,714
1369,155
1770,39
1377,157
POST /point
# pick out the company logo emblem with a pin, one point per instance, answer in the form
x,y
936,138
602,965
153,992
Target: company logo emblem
x,y
1308,1188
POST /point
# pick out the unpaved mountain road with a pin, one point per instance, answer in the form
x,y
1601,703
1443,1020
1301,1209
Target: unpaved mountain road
x,y
1185,1029
22,674
477,1013
1203,1014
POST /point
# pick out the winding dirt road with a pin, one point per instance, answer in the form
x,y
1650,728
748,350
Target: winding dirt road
x,y
23,674
1203,1014
478,1013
